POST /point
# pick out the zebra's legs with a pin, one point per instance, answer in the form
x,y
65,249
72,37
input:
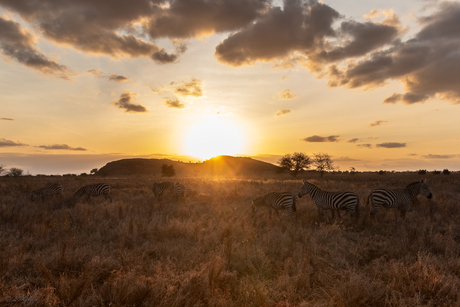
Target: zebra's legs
x,y
107,196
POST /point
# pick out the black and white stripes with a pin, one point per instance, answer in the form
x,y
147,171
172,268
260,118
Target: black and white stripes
x,y
94,190
180,192
50,189
399,198
331,200
277,201
159,188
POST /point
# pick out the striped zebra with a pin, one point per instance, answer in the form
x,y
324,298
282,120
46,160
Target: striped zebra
x,y
159,188
179,192
276,201
50,189
331,200
399,198
94,190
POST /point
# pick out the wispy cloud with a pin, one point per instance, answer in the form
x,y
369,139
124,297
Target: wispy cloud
x,y
433,156
61,147
192,88
319,139
377,123
173,103
353,140
5,118
391,145
364,145
283,112
118,78
124,102
286,95
9,143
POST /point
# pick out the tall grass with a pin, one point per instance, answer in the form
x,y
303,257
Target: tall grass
x,y
207,251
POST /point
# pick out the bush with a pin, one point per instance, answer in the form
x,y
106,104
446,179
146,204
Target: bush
x,y
422,172
168,170
446,172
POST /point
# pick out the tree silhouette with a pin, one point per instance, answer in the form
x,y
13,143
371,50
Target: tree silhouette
x,y
167,170
295,162
323,163
15,172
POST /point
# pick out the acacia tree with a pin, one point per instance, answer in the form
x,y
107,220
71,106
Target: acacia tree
x,y
295,162
167,170
15,172
323,163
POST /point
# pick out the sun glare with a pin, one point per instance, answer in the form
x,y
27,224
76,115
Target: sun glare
x,y
213,137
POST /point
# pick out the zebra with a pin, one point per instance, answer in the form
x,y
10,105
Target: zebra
x,y
276,201
50,189
159,188
94,190
331,200
399,198
179,192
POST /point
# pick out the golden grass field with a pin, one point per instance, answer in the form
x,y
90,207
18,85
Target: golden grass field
x,y
207,251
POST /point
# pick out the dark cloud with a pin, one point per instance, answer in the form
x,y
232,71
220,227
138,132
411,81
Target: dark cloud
x,y
118,78
394,98
299,27
318,139
391,145
173,103
353,140
377,123
5,118
124,28
62,146
19,45
124,102
431,156
286,94
364,145
9,143
192,88
283,112
427,65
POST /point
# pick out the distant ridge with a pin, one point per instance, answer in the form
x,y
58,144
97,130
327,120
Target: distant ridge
x,y
217,166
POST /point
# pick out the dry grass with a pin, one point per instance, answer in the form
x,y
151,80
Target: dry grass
x,y
207,251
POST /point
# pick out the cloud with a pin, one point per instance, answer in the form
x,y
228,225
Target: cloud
x,y
118,78
391,145
318,139
126,29
283,112
5,118
377,123
95,72
62,146
19,45
286,94
124,102
394,98
431,156
192,88
364,145
173,103
9,143
428,65
353,140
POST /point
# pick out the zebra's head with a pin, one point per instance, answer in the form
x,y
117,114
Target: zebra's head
x,y
258,201
424,190
305,189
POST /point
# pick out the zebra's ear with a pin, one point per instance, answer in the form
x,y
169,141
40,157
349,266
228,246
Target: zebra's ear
x,y
304,181
424,180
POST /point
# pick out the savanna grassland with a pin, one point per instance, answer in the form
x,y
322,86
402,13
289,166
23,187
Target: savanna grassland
x,y
208,251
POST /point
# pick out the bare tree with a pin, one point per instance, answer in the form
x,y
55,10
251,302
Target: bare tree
x,y
2,168
323,163
295,162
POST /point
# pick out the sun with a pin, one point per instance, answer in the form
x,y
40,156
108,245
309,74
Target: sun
x,y
213,137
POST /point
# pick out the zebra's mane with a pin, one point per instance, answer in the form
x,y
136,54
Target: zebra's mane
x,y
413,183
314,185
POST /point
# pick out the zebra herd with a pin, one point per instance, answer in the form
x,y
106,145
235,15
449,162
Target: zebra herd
x,y
324,200
349,201
51,189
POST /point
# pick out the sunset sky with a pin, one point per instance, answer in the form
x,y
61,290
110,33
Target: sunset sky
x,y
375,84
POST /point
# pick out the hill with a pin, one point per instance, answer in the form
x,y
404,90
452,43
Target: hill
x,y
217,166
